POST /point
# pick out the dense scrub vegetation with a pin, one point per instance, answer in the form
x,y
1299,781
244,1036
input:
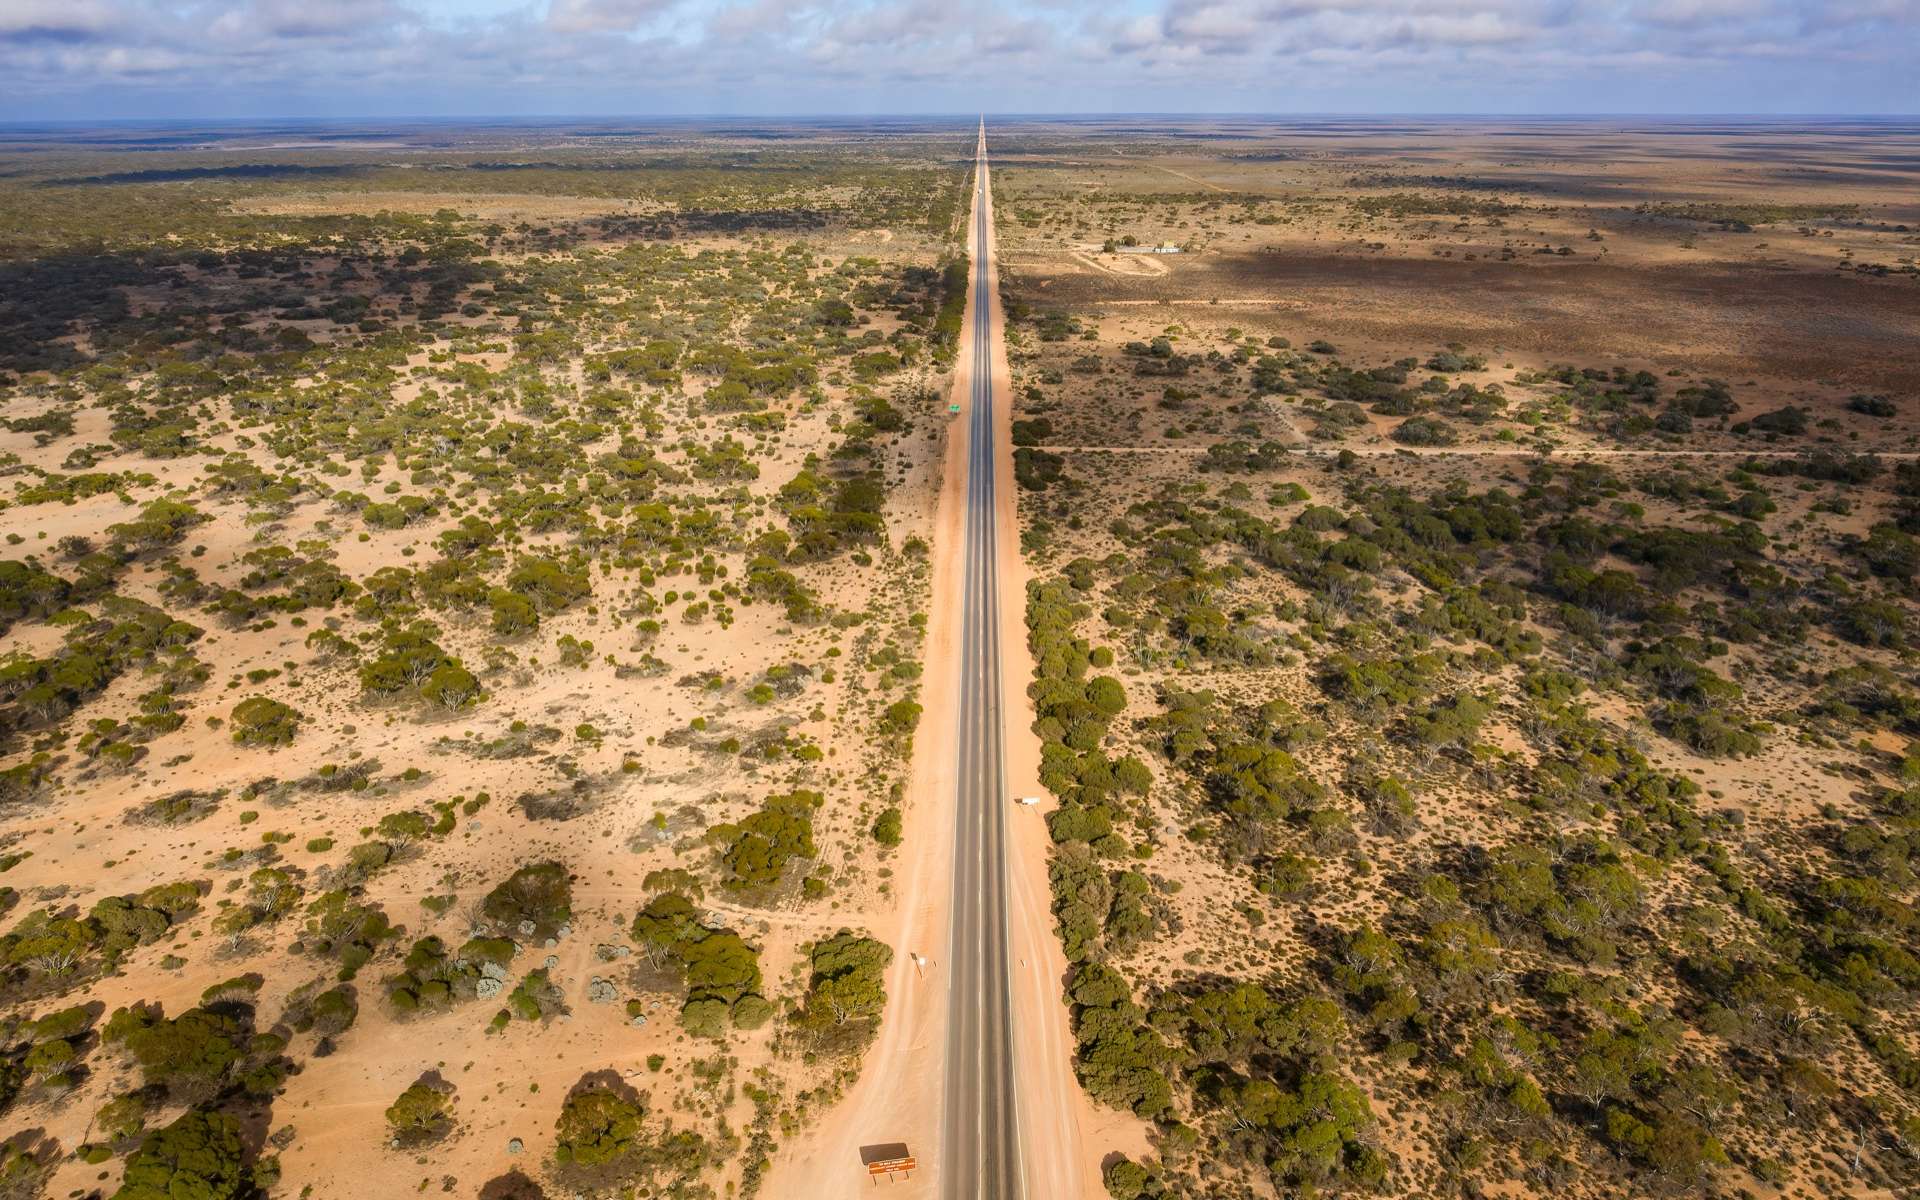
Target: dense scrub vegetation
x,y
1548,818
1543,918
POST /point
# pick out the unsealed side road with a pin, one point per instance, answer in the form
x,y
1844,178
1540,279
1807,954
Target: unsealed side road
x,y
973,1068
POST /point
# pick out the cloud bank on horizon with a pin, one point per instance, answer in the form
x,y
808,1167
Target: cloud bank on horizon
x,y
247,58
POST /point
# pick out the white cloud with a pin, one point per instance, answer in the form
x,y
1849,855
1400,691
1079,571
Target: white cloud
x,y
54,20
602,16
1691,14
140,56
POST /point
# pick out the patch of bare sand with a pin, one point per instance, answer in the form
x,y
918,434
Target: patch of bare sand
x,y
1139,265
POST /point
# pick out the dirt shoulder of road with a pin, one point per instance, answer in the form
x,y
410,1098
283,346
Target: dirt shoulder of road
x,y
1064,1136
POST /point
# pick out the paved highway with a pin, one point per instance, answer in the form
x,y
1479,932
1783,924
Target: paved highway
x,y
980,1152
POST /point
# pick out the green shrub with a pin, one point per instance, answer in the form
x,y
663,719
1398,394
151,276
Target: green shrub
x,y
200,1156
451,686
757,850
533,902
512,612
422,1113
846,990
751,1011
260,721
598,1125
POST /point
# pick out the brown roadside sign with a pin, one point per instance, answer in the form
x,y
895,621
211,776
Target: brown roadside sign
x,y
888,1159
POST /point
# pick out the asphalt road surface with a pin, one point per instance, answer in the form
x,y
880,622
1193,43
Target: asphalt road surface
x,y
980,1152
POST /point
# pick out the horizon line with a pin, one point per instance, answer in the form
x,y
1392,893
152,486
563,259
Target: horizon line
x,y
807,117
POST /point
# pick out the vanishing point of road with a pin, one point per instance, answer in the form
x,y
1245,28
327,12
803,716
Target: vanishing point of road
x,y
980,1142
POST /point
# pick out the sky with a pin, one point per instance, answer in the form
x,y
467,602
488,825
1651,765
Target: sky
x,y
116,59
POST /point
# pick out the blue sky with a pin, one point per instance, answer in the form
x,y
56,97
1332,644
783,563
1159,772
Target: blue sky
x,y
89,59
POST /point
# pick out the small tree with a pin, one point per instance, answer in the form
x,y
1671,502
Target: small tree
x,y
122,1117
339,926
260,721
451,686
333,1011
1125,1179
902,716
751,1011
194,1053
704,1016
402,829
512,612
598,1126
423,1113
201,1156
848,988
535,901
52,945
665,925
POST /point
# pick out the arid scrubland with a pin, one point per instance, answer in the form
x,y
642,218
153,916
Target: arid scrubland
x,y
465,587
462,595
1475,621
